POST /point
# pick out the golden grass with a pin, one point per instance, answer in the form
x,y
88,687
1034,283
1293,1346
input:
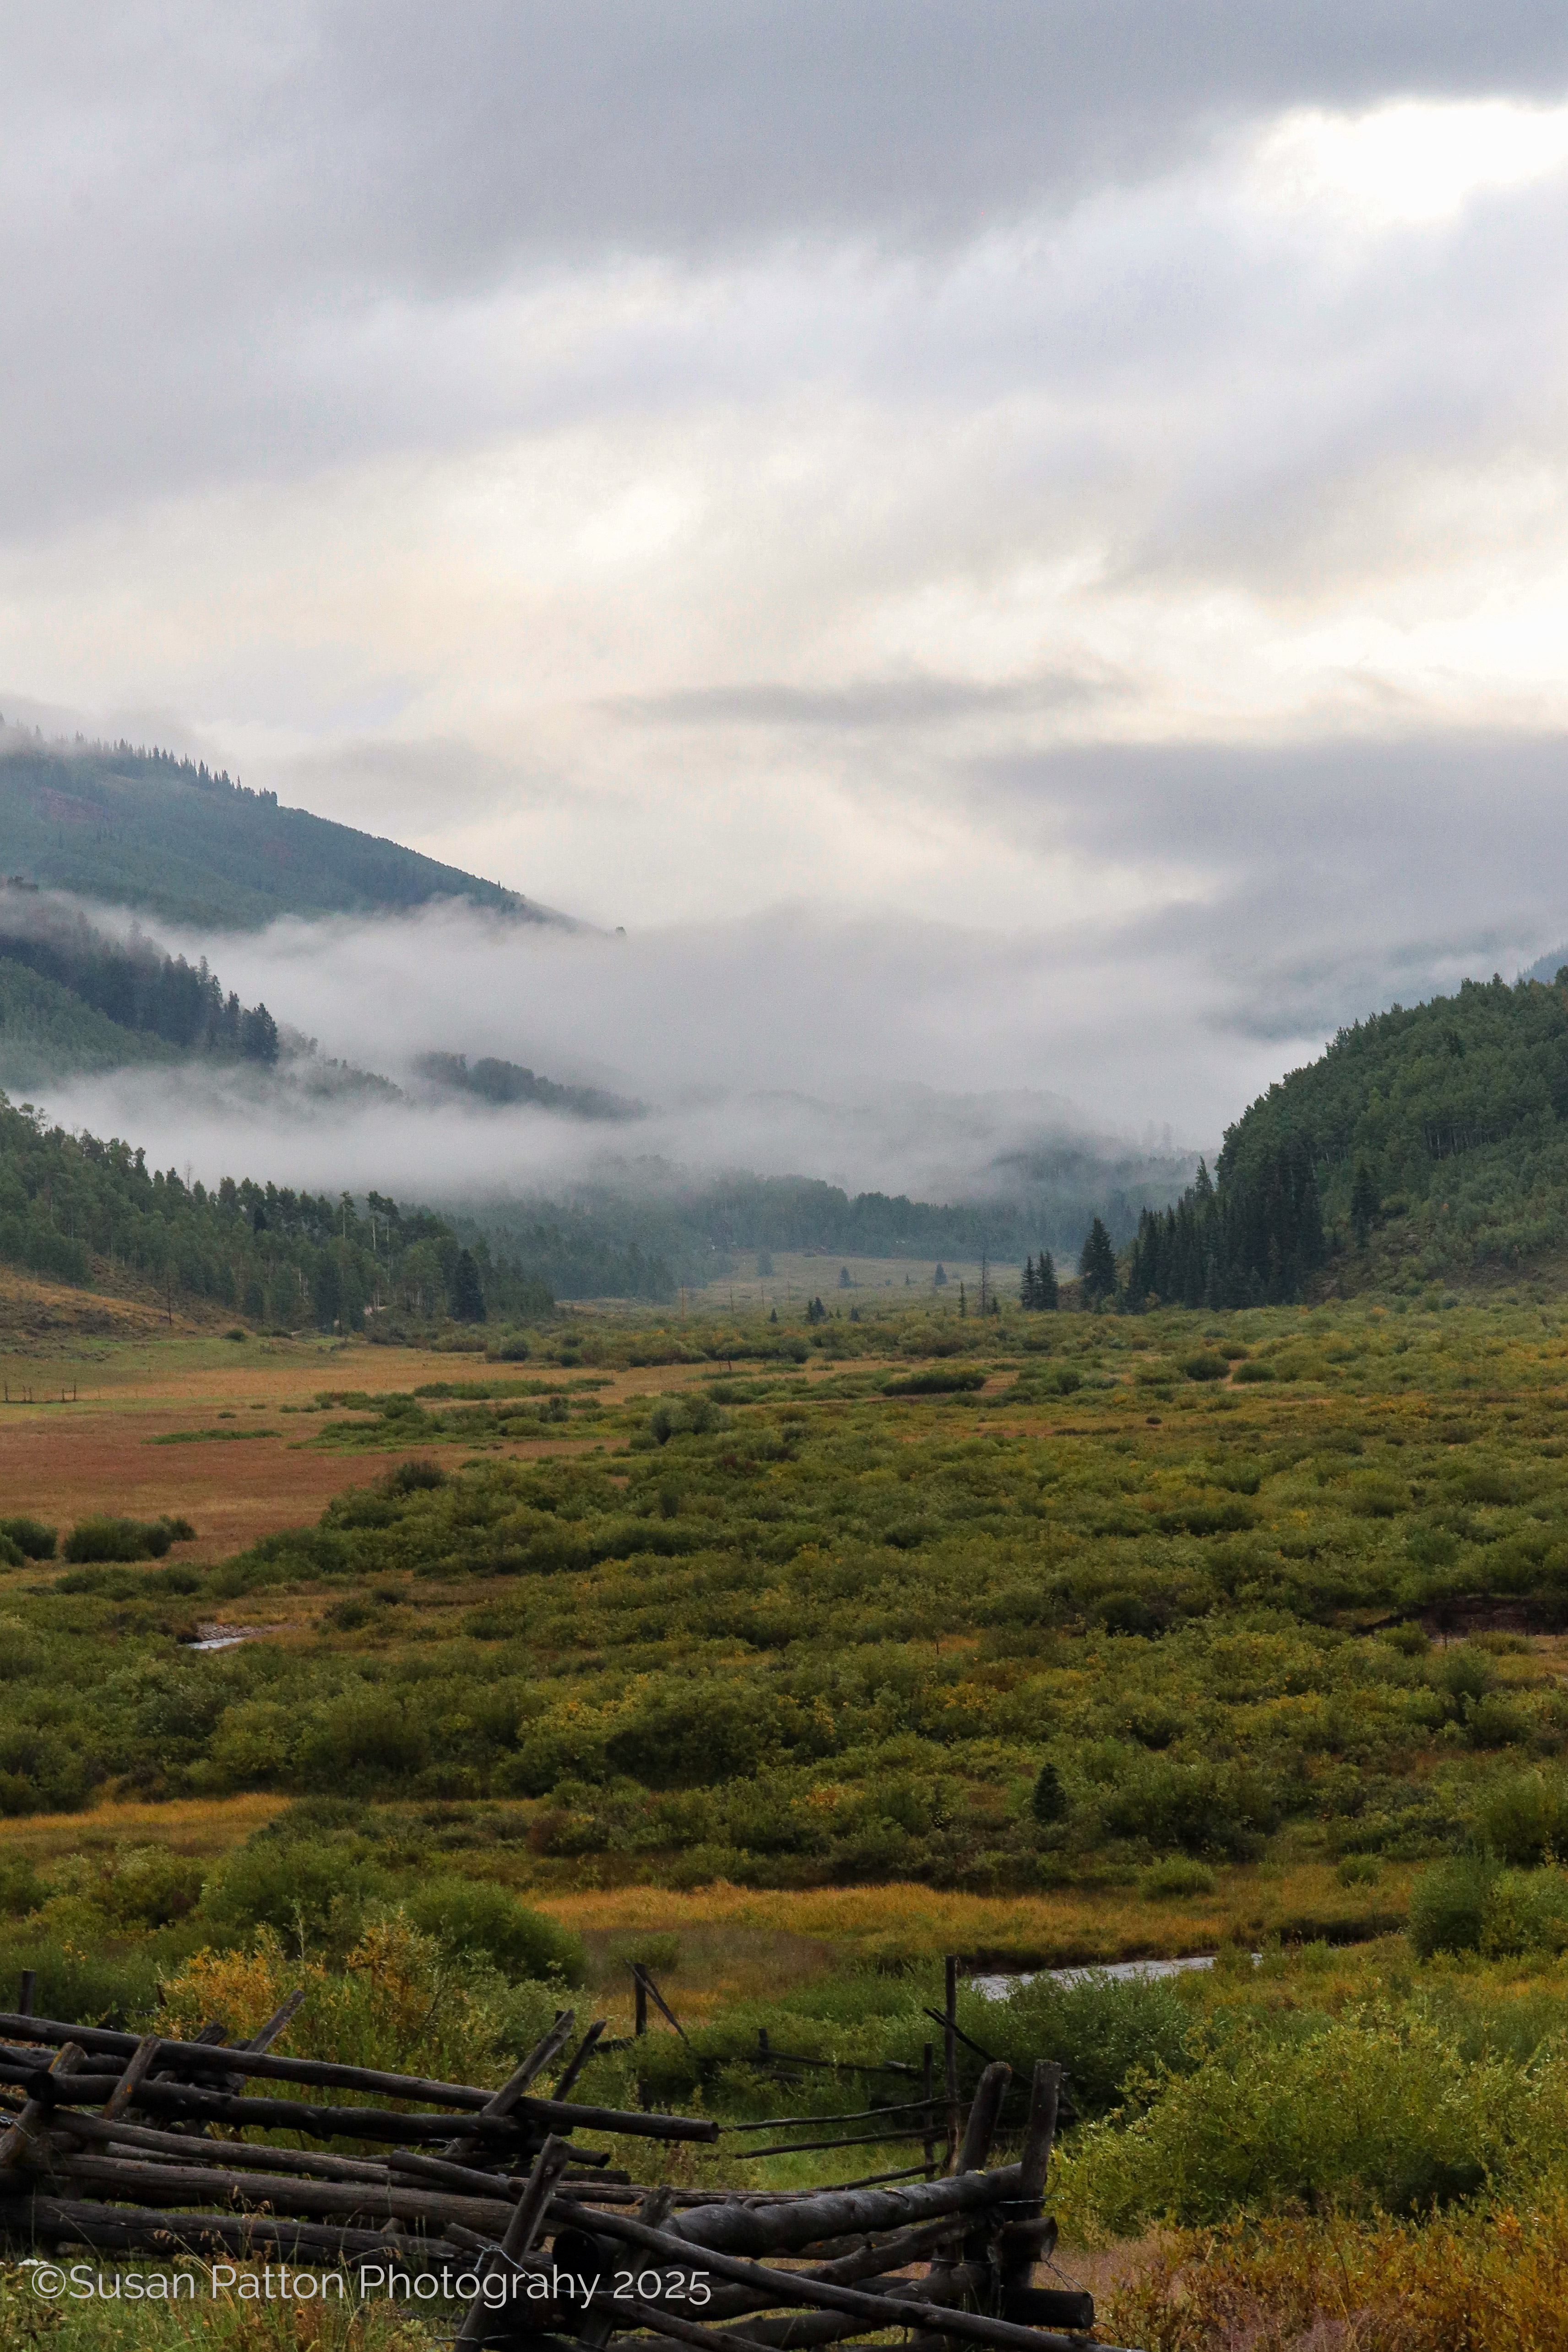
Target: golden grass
x,y
902,1920
202,1827
1484,2282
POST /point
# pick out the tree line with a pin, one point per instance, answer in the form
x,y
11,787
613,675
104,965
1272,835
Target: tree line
x,y
134,985
75,1207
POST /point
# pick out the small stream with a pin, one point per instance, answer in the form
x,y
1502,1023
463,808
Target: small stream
x,y
998,1988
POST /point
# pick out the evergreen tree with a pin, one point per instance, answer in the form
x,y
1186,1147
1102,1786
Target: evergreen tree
x,y
1046,1296
327,1290
1026,1298
1364,1203
1097,1266
468,1297
939,1279
1049,1802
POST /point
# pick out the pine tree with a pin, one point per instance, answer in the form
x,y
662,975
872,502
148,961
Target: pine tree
x,y
1026,1298
1046,1296
1050,1802
1364,1203
467,1294
1097,1266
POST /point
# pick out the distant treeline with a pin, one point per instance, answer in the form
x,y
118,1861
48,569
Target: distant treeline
x,y
72,1206
509,1082
609,1243
135,986
575,1254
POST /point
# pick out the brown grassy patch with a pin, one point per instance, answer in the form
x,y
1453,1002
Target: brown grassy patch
x,y
1485,2281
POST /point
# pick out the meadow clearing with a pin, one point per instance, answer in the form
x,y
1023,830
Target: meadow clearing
x,y
787,1659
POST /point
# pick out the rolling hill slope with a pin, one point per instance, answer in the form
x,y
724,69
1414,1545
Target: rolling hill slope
x,y
143,829
1428,1143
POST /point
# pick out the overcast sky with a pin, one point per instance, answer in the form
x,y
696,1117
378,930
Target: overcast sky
x,y
1068,502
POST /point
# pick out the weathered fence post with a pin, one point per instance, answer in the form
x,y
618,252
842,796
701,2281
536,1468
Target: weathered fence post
x,y
951,2053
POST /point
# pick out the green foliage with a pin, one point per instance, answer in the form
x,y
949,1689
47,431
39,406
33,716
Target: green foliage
x,y
144,829
1048,1801
1435,1137
939,1380
103,1539
93,986
1448,1905
71,1205
473,1915
1096,1265
31,1537
1375,2109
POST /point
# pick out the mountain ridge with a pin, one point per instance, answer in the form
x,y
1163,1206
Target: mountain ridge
x,y
144,829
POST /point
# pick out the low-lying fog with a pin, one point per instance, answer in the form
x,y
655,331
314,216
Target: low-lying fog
x,y
880,1055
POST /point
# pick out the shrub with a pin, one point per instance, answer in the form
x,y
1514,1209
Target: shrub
x,y
31,1537
1205,1366
1177,1876
152,1888
1201,1808
1447,1904
691,1739
1525,1821
687,1416
21,1888
104,1539
414,1476
291,1887
1369,2111
1250,1371
474,1915
941,1380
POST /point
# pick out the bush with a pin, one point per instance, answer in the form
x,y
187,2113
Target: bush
x,y
291,1887
152,1888
104,1539
21,1888
1447,1904
1176,1878
1201,1808
691,1739
414,1476
1369,2111
689,1416
1253,1371
1205,1366
1103,2029
1525,1821
31,1537
942,1380
473,1915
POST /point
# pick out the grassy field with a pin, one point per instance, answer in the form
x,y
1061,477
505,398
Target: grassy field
x,y
788,1659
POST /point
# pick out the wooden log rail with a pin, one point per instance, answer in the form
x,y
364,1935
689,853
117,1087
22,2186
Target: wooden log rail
x,y
528,2116
16,2067
788,2272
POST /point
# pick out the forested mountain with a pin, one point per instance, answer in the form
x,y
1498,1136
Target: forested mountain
x,y
505,1083
1427,1142
73,998
73,1208
140,828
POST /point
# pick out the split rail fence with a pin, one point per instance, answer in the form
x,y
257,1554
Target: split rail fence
x,y
132,2147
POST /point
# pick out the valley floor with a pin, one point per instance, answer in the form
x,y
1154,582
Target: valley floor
x,y
788,1659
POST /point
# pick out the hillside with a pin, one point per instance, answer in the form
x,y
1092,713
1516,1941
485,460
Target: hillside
x,y
1428,1143
143,829
76,1209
